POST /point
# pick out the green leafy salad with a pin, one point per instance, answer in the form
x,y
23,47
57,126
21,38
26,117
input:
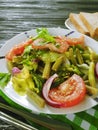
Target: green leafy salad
x,y
33,63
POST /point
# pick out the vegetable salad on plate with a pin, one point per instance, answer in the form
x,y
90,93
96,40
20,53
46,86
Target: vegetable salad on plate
x,y
54,70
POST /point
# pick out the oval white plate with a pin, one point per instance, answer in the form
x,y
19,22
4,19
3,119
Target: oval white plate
x,y
23,100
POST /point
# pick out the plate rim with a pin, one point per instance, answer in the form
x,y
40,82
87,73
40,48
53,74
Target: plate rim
x,y
68,25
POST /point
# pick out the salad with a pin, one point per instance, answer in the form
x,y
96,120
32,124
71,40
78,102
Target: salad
x,y
54,70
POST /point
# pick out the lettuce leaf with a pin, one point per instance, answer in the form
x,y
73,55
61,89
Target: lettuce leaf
x,y
44,34
4,79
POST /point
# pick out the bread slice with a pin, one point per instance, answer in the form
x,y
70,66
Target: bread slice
x,y
91,22
77,22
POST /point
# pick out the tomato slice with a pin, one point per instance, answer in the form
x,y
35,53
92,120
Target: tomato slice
x,y
17,50
70,92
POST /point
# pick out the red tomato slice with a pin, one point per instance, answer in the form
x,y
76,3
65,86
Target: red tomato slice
x,y
70,92
17,50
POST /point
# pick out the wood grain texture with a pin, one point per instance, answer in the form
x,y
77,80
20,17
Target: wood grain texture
x,y
17,16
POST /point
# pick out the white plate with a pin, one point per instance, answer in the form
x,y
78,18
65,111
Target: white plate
x,y
23,100
69,25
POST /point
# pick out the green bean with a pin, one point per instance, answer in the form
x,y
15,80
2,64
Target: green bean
x,y
94,57
46,71
36,98
71,56
76,70
84,68
91,90
86,56
86,82
57,63
85,77
80,47
73,69
67,54
79,56
91,75
31,84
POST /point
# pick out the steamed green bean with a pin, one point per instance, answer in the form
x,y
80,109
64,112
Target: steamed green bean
x,y
91,74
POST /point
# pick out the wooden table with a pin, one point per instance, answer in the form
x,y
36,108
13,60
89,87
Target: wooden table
x,y
21,15
17,16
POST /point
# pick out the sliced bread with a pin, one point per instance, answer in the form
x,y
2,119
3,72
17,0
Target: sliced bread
x,y
77,22
90,20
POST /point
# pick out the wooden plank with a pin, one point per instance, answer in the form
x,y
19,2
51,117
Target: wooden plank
x,y
18,16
